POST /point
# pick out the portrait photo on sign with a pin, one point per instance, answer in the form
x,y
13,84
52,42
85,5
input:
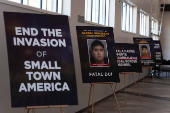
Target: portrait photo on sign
x,y
145,51
98,53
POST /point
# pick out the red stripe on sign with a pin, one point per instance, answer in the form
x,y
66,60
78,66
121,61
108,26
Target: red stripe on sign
x,y
99,64
127,59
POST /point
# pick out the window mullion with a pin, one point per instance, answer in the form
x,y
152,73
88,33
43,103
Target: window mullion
x,y
108,12
46,4
132,20
62,8
122,16
99,12
57,6
129,18
126,17
145,24
91,9
41,4
141,24
21,1
144,27
105,13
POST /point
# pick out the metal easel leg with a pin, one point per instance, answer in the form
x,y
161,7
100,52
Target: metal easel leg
x,y
89,98
33,110
143,81
137,87
93,97
28,110
62,111
125,87
115,98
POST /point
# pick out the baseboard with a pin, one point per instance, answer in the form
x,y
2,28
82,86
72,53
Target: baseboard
x,y
85,109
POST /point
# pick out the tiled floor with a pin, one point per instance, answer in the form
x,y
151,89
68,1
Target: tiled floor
x,y
154,100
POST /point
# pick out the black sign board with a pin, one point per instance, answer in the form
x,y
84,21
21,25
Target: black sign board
x,y
147,55
128,57
158,51
40,58
97,54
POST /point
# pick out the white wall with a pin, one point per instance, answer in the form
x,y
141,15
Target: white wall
x,y
77,8
165,36
165,33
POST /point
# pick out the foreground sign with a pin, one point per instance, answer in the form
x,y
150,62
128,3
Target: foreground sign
x,y
128,57
40,60
158,51
146,48
97,54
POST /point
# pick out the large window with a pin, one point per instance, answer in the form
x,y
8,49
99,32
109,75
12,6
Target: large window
x,y
154,29
154,26
100,11
49,5
144,20
127,17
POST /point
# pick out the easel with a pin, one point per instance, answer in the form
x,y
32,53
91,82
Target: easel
x,y
93,86
125,84
41,107
151,74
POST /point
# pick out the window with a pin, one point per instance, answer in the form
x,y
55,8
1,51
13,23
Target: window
x,y
154,29
144,23
154,26
100,12
127,17
58,6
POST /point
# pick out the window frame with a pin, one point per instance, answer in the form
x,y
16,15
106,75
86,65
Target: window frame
x,y
130,17
100,19
144,26
40,9
154,26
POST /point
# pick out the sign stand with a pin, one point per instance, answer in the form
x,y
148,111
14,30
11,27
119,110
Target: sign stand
x,y
143,75
125,84
41,107
93,86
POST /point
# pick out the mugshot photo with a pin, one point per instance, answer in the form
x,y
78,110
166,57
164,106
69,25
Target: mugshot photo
x,y
98,53
145,51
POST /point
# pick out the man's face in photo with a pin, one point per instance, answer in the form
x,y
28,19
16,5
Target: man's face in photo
x,y
145,51
98,53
